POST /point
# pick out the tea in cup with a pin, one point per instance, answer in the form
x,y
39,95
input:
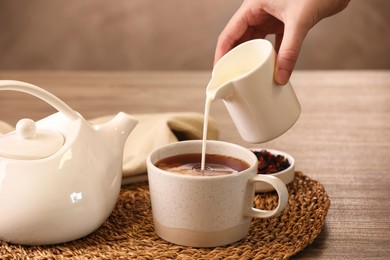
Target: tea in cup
x,y
189,164
206,208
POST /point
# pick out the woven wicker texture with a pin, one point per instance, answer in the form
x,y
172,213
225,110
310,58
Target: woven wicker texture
x,y
129,233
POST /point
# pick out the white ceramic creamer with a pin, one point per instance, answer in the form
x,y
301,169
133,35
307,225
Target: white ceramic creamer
x,y
60,176
244,79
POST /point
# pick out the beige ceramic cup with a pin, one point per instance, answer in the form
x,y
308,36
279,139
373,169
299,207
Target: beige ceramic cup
x,y
207,211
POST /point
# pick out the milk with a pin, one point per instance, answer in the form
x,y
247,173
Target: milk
x,y
205,127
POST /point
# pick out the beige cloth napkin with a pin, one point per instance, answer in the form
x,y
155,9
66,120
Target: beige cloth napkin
x,y
152,131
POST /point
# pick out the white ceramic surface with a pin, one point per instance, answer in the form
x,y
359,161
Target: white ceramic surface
x,y
69,192
244,79
206,211
286,175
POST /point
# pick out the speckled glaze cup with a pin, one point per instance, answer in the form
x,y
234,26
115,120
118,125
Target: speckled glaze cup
x,y
207,211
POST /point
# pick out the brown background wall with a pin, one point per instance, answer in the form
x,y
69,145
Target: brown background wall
x,y
170,34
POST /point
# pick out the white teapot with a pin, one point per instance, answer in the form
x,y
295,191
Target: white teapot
x,y
60,176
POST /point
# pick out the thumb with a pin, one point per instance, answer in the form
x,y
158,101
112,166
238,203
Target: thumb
x,y
288,52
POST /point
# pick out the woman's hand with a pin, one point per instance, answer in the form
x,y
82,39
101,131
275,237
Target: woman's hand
x,y
289,20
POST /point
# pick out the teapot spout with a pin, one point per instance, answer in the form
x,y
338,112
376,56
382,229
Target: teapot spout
x,y
118,129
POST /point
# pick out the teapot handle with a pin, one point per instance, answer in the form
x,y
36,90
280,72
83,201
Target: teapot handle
x,y
39,93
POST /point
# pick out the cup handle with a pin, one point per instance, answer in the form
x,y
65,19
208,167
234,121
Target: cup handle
x,y
280,188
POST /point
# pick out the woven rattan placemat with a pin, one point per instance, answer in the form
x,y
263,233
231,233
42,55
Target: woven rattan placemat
x,y
129,234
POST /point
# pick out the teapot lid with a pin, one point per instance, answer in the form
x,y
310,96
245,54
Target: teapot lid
x,y
29,143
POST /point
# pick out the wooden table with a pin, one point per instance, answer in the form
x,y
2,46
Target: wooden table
x,y
342,138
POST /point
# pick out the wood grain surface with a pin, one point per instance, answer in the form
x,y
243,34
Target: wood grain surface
x,y
341,139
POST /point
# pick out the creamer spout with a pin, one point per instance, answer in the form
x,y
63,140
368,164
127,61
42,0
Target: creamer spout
x,y
216,91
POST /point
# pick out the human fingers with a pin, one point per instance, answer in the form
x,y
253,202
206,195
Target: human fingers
x,y
288,53
278,41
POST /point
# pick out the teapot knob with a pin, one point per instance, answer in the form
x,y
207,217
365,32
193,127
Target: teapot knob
x,y
26,128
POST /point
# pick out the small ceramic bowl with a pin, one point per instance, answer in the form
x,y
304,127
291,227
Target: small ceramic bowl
x,y
287,175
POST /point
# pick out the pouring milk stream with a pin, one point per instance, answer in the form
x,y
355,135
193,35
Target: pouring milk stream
x,y
244,79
